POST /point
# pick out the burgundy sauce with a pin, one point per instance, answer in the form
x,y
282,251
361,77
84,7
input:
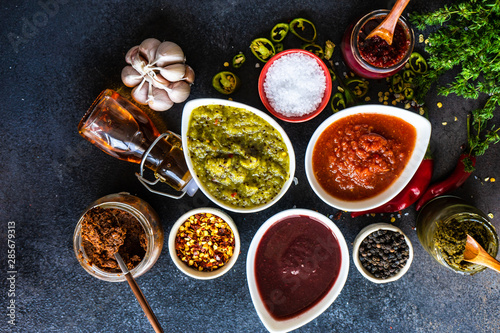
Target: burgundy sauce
x,y
376,51
297,262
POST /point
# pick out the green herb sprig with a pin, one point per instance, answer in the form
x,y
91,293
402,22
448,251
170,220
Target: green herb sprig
x,y
468,38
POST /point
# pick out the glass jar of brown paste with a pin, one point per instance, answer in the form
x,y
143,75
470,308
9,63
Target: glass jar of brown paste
x,y
135,217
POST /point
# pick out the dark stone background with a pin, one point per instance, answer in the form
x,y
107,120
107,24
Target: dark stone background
x,y
67,53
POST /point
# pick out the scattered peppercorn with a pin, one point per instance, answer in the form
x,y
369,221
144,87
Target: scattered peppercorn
x,y
204,242
383,253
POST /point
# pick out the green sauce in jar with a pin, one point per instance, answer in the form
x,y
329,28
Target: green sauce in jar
x,y
239,157
442,228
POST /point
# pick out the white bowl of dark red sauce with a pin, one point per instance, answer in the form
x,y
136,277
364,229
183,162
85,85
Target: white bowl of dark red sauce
x,y
297,264
362,157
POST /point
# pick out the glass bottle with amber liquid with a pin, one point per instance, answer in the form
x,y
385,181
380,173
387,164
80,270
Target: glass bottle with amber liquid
x,y
122,130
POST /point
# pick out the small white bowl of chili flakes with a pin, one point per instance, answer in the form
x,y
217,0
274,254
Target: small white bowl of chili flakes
x,y
204,243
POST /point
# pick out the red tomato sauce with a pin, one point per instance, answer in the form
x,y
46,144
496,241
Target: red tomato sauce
x,y
359,156
376,51
296,264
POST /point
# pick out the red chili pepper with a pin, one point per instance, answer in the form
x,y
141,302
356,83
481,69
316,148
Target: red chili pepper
x,y
412,191
454,181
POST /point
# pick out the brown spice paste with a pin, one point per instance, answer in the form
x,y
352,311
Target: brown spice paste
x,y
107,231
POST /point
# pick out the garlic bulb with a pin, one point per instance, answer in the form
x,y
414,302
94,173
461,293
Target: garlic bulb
x,y
158,73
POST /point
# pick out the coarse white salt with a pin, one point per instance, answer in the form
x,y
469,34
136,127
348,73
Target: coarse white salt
x,y
295,85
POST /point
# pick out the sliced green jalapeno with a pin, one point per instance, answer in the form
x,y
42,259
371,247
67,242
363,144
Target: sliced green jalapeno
x,y
332,73
397,84
338,102
238,60
279,47
408,92
279,32
314,48
303,29
358,86
408,76
418,63
225,82
329,47
263,49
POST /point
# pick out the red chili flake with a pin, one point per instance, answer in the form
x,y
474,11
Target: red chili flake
x,y
233,194
204,242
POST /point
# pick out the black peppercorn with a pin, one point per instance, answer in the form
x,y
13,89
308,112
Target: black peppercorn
x,y
389,255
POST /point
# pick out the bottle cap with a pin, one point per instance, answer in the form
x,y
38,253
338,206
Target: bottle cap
x,y
191,187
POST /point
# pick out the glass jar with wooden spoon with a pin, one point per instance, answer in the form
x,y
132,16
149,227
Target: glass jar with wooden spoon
x,y
374,58
442,228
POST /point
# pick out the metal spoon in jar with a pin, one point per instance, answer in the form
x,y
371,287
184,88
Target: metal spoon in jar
x,y
385,30
475,253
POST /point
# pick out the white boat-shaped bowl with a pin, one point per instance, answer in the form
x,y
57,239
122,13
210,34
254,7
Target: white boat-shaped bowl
x,y
186,116
295,322
423,130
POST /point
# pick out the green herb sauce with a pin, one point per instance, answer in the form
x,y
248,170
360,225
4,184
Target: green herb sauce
x,y
239,157
450,238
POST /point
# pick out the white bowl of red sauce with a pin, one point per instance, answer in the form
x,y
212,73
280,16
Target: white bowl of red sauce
x,y
297,265
362,157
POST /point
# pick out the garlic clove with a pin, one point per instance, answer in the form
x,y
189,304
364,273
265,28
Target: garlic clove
x,y
131,77
160,100
179,91
148,48
160,82
174,72
132,52
168,53
189,76
140,93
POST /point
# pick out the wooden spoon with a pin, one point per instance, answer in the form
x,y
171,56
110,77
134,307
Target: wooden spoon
x,y
385,30
476,254
139,295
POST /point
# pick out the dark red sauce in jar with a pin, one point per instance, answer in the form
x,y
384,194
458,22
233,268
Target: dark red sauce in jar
x,y
359,156
296,264
376,51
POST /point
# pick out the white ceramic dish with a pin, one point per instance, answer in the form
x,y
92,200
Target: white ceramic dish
x,y
269,322
362,235
186,116
193,272
423,129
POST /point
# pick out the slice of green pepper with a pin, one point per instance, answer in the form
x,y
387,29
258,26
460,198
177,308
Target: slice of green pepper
x,y
307,31
358,86
329,47
397,84
225,82
263,49
408,93
418,63
238,60
314,48
279,47
408,76
332,73
279,32
338,102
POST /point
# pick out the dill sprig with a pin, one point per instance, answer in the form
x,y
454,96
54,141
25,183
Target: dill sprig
x,y
468,38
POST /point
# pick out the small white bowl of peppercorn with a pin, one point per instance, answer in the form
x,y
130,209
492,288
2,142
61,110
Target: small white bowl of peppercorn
x,y
382,253
204,243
